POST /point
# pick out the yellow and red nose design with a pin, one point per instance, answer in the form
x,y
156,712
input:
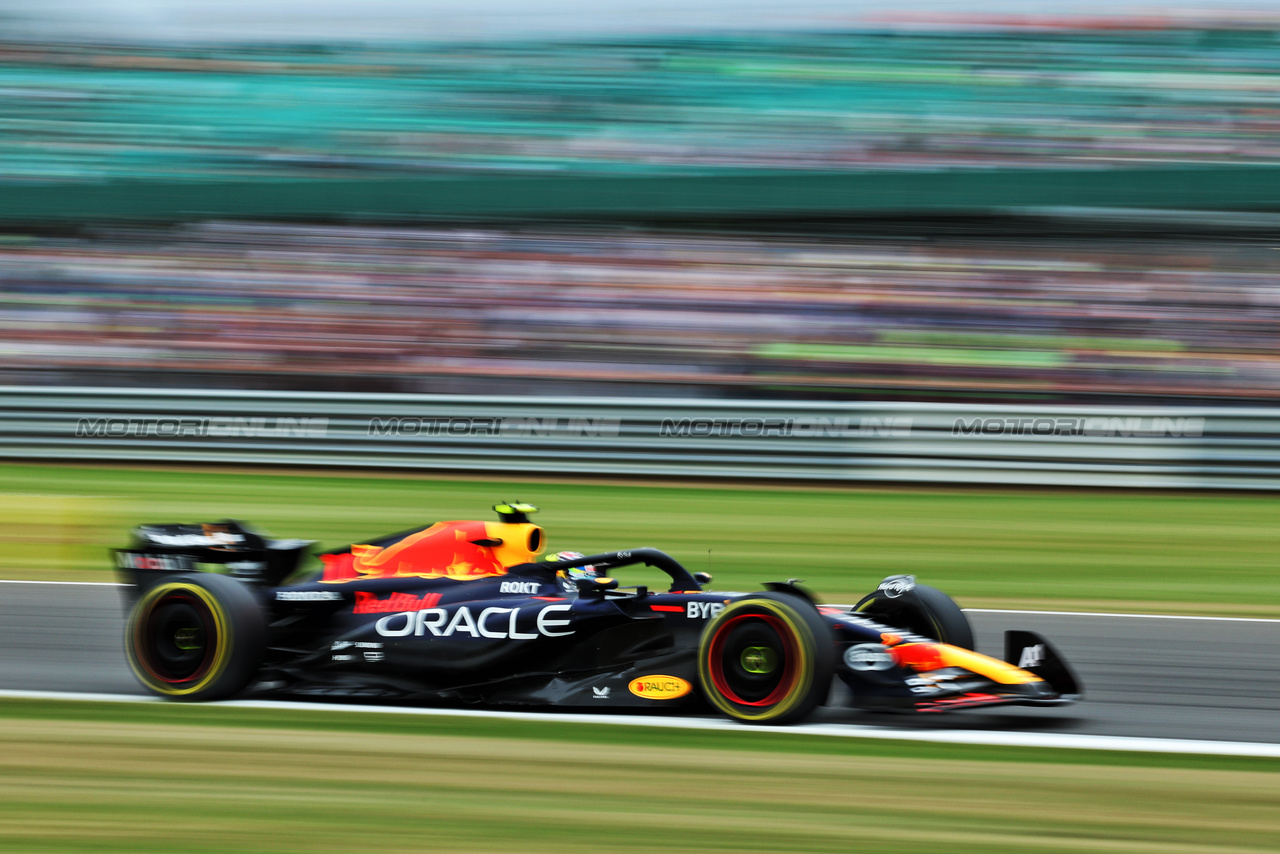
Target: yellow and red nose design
x,y
445,550
924,657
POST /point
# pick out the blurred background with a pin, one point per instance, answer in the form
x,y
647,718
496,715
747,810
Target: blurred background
x,y
917,201
1012,268
886,213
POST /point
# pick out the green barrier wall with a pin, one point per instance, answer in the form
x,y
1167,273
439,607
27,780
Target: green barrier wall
x,y
740,194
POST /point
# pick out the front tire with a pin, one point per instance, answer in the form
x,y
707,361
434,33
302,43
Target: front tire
x,y
767,658
922,610
196,637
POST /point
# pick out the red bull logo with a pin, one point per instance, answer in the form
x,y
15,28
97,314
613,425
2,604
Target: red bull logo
x,y
368,603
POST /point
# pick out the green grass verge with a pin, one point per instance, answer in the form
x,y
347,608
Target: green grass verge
x,y
1122,550
154,714
160,778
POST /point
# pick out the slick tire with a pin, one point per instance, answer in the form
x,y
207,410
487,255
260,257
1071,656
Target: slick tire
x,y
923,610
196,637
766,659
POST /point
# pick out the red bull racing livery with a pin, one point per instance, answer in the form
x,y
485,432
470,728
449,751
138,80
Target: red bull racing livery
x,y
472,612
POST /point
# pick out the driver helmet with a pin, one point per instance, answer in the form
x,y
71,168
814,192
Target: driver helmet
x,y
575,573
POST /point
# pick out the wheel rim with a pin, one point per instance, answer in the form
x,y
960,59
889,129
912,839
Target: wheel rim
x,y
177,638
752,660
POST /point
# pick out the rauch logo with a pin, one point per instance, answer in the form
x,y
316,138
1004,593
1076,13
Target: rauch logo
x,y
659,687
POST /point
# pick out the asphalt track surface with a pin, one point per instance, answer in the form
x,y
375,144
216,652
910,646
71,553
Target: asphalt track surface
x,y
1153,677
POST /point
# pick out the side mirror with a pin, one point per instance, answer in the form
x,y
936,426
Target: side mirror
x,y
595,586
702,578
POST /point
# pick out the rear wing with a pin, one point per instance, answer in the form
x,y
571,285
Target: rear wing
x,y
159,550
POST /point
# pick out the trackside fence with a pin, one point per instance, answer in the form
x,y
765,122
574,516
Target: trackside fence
x,y
1173,447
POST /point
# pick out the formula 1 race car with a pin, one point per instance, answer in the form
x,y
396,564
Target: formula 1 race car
x,y
467,612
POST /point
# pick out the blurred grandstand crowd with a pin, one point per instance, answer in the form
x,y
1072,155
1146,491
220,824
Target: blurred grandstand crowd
x,y
576,309
867,101
618,311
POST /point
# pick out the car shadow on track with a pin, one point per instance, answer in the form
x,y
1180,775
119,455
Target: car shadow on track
x,y
1007,719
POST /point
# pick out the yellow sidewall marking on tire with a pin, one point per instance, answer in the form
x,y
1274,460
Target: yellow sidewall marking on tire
x,y
804,666
222,642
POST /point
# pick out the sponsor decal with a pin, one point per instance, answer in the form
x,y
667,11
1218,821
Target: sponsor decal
x,y
1124,427
369,603
804,427
659,687
600,693
168,563
444,425
942,681
212,536
371,650
703,610
526,587
307,595
173,426
489,623
971,699
934,677
1032,656
895,585
890,638
245,568
868,656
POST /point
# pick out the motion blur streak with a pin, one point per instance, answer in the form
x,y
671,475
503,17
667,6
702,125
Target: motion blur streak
x,y
73,640
576,311
657,266
1080,207
1078,97
1073,741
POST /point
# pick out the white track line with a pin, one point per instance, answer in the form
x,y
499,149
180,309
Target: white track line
x,y
80,583
941,736
1125,616
1103,614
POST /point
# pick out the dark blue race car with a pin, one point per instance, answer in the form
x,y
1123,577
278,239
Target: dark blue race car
x,y
471,612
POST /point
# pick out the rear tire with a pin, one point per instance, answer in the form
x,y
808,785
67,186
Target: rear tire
x,y
196,637
922,610
768,658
